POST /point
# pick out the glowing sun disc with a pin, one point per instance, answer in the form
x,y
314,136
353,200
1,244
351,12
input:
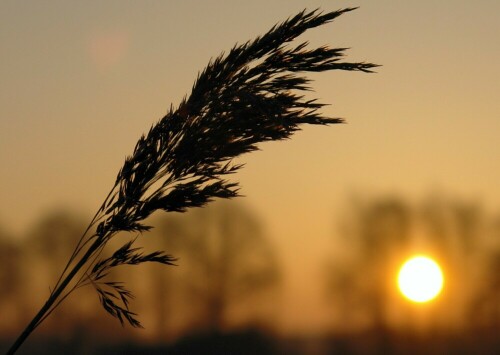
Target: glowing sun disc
x,y
420,279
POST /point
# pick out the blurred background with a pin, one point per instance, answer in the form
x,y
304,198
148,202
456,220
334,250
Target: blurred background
x,y
306,262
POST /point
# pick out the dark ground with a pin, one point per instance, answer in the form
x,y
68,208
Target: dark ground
x,y
483,342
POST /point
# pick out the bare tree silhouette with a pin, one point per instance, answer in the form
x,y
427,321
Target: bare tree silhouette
x,y
11,280
226,266
459,233
378,230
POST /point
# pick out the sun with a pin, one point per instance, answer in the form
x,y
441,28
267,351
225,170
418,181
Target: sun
x,y
420,279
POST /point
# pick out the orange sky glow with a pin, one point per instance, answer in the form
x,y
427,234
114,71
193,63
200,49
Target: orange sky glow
x,y
80,83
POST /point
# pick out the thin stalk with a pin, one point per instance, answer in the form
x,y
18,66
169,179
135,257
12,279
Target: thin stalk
x,y
82,242
52,299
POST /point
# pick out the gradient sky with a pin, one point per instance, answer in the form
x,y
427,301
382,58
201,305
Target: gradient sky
x,y
80,81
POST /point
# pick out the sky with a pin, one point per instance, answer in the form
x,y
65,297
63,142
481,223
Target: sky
x,y
81,81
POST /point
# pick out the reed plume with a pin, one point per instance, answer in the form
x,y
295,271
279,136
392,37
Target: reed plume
x,y
247,96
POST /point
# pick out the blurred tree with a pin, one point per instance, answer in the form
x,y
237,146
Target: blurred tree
x,y
10,281
382,231
453,230
226,268
377,231
47,247
54,236
484,311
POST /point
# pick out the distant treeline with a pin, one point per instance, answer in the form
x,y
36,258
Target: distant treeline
x,y
229,275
